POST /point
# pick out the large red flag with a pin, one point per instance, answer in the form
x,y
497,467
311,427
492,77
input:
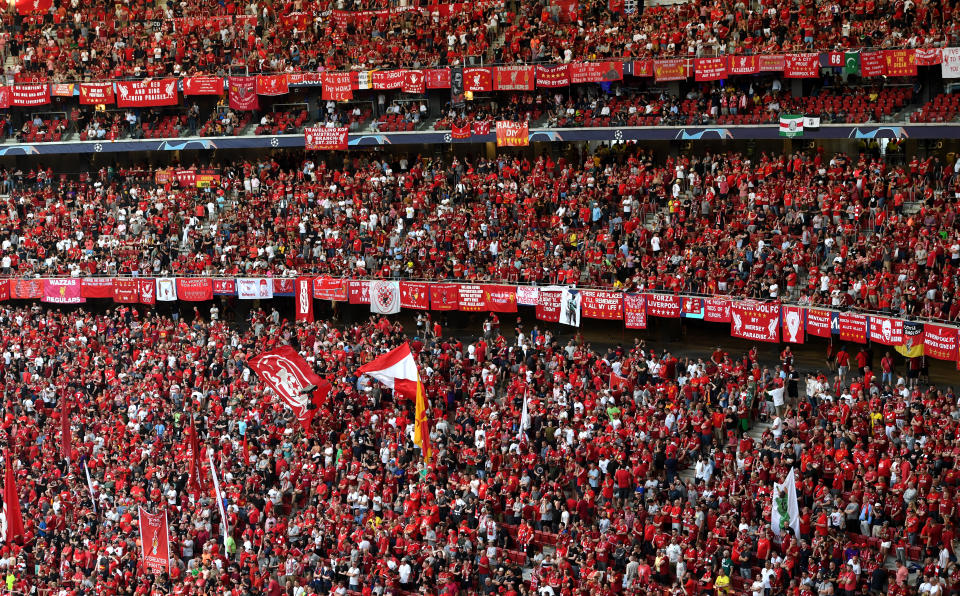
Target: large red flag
x,y
155,541
195,483
65,435
11,503
289,375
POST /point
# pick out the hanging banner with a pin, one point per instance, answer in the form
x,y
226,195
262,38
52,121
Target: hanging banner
x,y
940,342
414,295
282,286
414,82
307,79
30,95
801,66
96,94
528,295
195,289
691,308
272,85
759,321
336,289
481,128
25,7
460,132
336,86
500,298
928,56
886,331
514,78
139,94
96,287
202,85
304,299
359,292
641,68
438,78
253,288
4,290
595,72
901,63
166,289
672,69
471,298
444,297
913,342
478,80
224,287
663,305
321,138
872,64
62,89
771,62
63,291
793,324
26,289
155,541
599,304
126,291
386,79
147,290
550,77
710,69
243,93
853,327
635,311
570,303
716,310
549,305
818,323
4,97
512,134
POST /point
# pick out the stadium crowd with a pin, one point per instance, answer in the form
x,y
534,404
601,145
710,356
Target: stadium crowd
x,y
819,228
648,487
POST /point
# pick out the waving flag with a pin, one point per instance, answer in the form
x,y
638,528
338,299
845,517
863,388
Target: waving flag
x,y
11,504
785,513
292,379
195,483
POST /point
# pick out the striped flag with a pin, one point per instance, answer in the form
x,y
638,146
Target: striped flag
x,y
791,125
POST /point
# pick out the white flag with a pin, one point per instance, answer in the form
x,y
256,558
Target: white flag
x,y
90,486
811,122
385,297
166,289
216,490
784,512
524,417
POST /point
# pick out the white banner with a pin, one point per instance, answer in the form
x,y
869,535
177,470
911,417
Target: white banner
x,y
570,301
385,297
166,289
528,295
950,66
254,288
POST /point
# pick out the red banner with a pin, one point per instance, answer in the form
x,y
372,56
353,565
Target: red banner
x,y
202,85
282,286
852,327
224,287
337,86
691,308
801,66
25,7
512,134
333,288
155,540
321,138
444,297
414,82
514,78
549,306
194,289
872,64
62,89
126,290
303,298
481,128
635,311
478,79
438,78
929,56
471,298
663,305
359,292
818,323
758,321
771,62
940,342
901,63
4,290
460,132
147,289
888,332
137,94
386,79
500,298
272,84
4,97
30,95
672,69
710,69
595,72
414,295
26,289
553,76
716,310
96,287
63,291
96,94
243,93
643,68
744,65
793,324
598,304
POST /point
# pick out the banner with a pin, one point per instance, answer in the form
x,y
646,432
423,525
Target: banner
x,y
359,292
691,308
147,290
481,128
25,7
438,78
471,298
253,288
872,64
853,327
663,305
30,95
166,289
598,304
478,80
385,297
551,77
514,78
793,324
528,295
759,321
96,287
195,289
710,69
62,89
801,66
272,84
500,298
791,125
595,72
444,297
928,56
155,540
771,62
940,342
818,323
138,94
96,93
386,79
570,303
549,305
126,291
901,63
642,68
460,132
635,311
282,286
716,310
26,289
304,299
224,287
415,295
512,134
414,82
289,376
336,86
672,69
321,138
336,289
243,94
913,343
886,331
202,85
63,291
784,509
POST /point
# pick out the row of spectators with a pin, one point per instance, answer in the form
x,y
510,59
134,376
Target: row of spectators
x,y
850,232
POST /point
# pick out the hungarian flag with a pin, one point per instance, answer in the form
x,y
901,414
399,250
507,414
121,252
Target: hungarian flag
x,y
292,379
11,503
195,483
397,369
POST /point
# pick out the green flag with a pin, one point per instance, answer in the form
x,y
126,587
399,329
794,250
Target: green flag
x,y
851,63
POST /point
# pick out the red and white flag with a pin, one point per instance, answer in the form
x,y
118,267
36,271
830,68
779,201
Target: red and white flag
x,y
398,370
218,495
155,541
304,295
289,375
11,504
618,383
